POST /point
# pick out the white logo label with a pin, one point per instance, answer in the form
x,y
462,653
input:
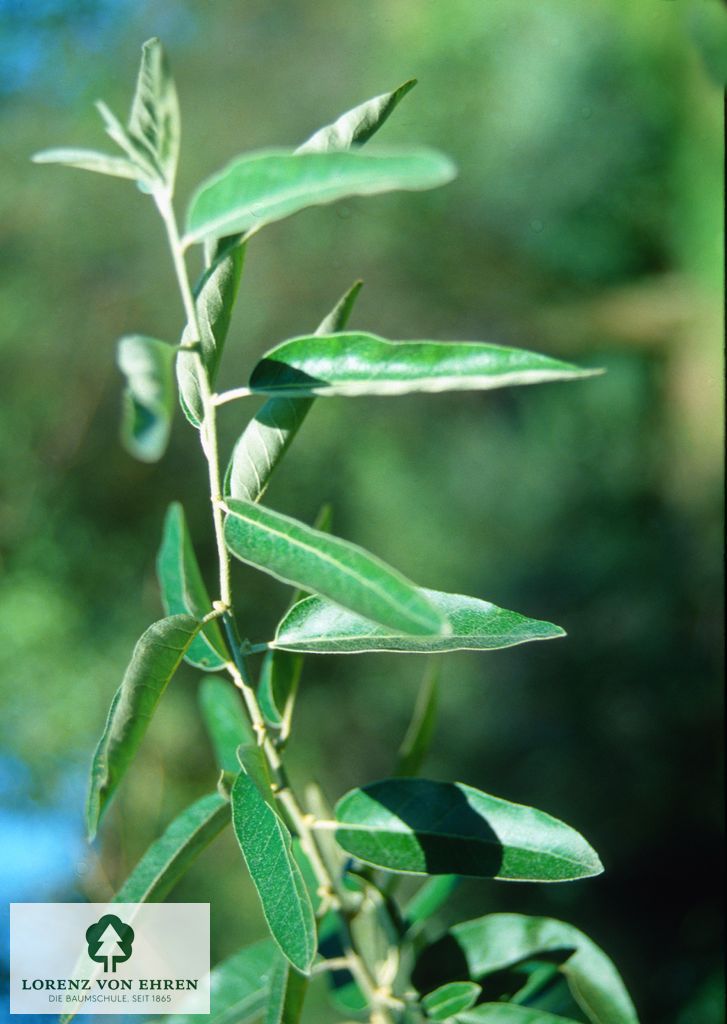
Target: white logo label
x,y
145,958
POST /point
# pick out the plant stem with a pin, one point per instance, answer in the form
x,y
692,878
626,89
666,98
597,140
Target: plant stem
x,y
208,429
330,888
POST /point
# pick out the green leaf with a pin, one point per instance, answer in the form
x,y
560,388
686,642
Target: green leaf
x,y
343,572
429,898
214,297
279,678
287,994
154,117
497,942
259,188
418,736
183,590
450,999
147,173
239,987
508,1013
318,627
270,432
266,847
225,720
156,657
149,396
419,827
173,853
88,160
376,934
353,363
255,765
356,126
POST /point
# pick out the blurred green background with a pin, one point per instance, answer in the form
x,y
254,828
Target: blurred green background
x,y
585,222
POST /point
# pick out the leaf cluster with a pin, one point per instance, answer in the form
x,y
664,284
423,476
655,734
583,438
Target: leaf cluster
x,y
326,877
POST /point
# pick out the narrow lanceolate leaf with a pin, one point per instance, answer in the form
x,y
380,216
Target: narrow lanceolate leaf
x,y
419,827
266,847
352,363
155,659
418,736
239,987
183,590
172,854
149,396
225,719
452,998
429,898
356,126
342,572
319,627
287,994
497,942
508,1013
270,432
154,116
260,188
214,297
279,678
88,160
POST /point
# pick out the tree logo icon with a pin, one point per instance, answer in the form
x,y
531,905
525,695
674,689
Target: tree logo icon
x,y
109,941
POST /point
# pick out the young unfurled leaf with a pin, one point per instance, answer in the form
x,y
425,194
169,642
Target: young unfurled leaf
x,y
376,934
419,827
259,188
214,297
317,626
508,1013
269,433
344,573
497,942
266,847
287,994
353,363
170,856
239,987
156,658
147,173
225,719
149,396
154,116
356,126
450,999
88,160
183,590
418,736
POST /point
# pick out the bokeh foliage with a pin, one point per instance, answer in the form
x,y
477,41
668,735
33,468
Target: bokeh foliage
x,y
585,223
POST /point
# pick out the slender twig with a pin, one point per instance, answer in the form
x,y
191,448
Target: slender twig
x,y
208,429
231,396
331,889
